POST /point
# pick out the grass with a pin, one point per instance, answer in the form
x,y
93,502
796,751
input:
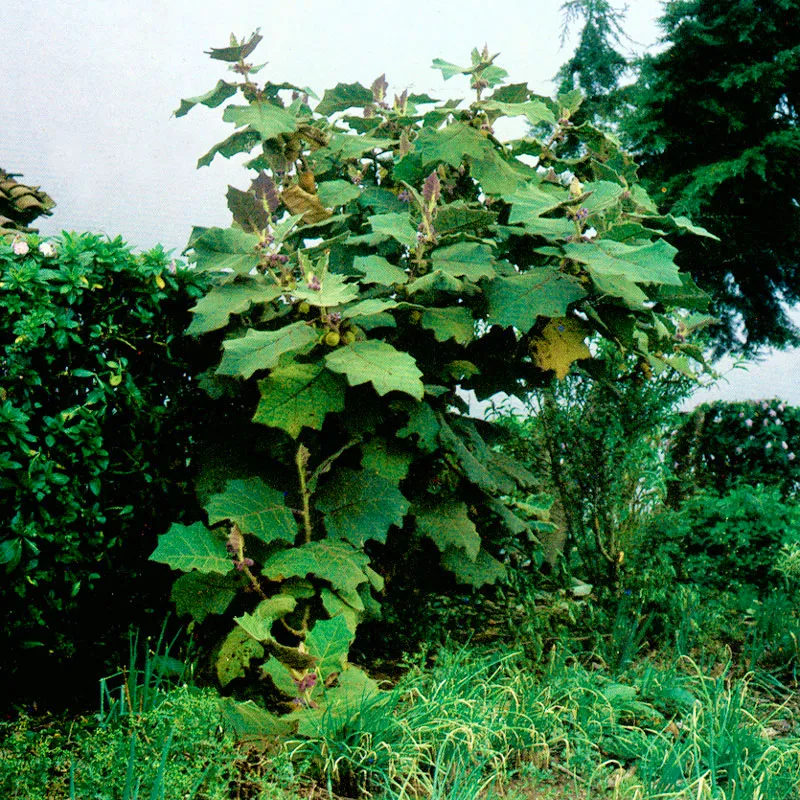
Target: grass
x,y
463,724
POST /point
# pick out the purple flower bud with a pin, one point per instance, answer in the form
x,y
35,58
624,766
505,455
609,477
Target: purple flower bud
x,y
314,284
404,196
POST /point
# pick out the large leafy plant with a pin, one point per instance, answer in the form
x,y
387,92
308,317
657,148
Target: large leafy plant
x,y
388,256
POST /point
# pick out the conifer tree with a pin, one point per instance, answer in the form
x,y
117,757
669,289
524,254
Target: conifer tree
x,y
717,137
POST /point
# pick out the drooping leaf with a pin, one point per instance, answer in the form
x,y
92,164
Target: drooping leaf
x,y
368,308
188,547
465,461
335,607
298,395
454,322
447,525
378,363
263,349
329,641
248,211
422,423
280,675
396,225
308,204
240,142
268,120
218,95
335,562
541,291
469,259
360,505
386,459
225,249
249,723
201,594
213,311
436,281
257,509
561,342
235,655
483,570
259,623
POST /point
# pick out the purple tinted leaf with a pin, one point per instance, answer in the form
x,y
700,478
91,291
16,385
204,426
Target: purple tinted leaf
x,y
265,188
379,87
248,211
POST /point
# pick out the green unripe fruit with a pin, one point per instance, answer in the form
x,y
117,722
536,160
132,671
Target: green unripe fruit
x,y
348,337
415,317
332,338
304,307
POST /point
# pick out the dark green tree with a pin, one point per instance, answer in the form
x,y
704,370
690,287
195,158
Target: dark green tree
x,y
716,131
597,65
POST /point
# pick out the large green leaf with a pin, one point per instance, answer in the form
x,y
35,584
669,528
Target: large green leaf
x,y
378,363
532,201
344,96
377,269
535,111
542,291
368,308
424,424
649,263
225,249
214,310
360,505
329,642
249,723
298,395
270,121
201,594
470,259
335,607
238,649
495,175
447,525
263,349
188,547
218,95
257,509
387,459
454,322
436,280
602,196
337,193
458,217
259,623
335,562
396,225
451,144
335,291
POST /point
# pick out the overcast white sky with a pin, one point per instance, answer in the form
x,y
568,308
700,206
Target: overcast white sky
x,y
89,87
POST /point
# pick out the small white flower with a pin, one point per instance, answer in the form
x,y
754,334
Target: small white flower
x,y
784,446
768,446
748,423
773,412
20,247
47,249
738,451
172,267
791,456
589,234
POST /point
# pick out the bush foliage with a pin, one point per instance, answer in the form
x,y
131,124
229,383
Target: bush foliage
x,y
96,411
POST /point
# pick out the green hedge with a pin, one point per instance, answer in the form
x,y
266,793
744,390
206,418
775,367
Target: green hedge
x,y
96,405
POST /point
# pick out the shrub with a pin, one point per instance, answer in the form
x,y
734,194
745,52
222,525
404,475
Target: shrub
x,y
720,542
721,444
96,410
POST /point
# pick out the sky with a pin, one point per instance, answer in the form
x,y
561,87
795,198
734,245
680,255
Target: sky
x,y
90,86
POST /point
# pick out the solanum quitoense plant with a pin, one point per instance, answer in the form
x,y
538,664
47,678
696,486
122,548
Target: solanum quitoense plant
x,y
387,257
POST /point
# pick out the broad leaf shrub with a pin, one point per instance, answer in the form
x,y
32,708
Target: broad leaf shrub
x,y
720,444
96,408
387,256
